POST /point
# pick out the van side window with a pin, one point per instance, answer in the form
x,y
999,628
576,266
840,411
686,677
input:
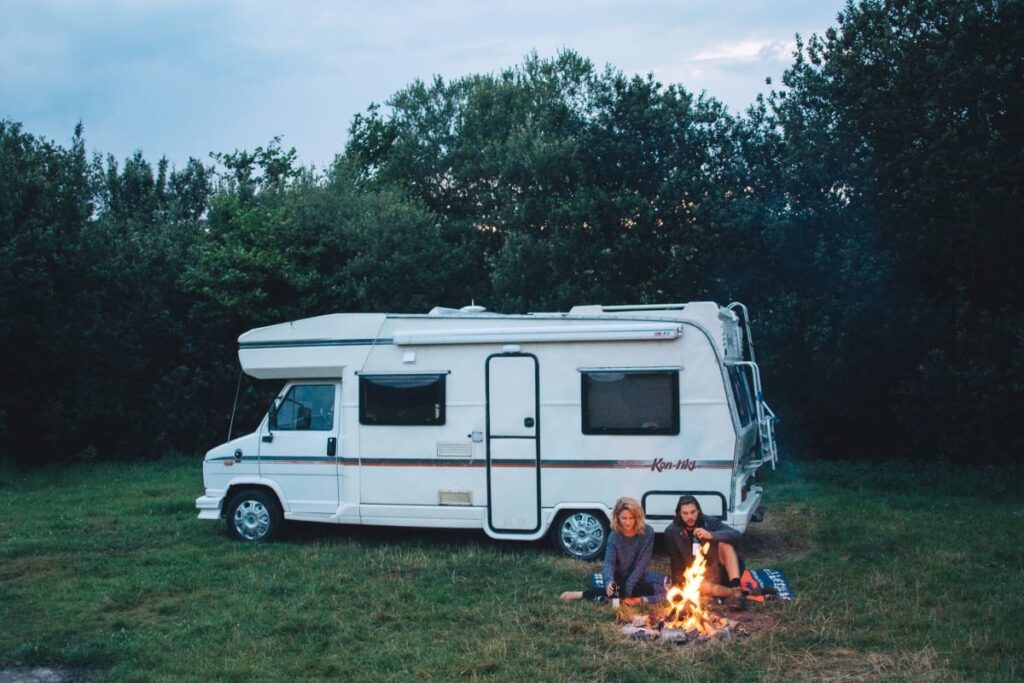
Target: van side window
x,y
741,392
630,402
305,407
401,399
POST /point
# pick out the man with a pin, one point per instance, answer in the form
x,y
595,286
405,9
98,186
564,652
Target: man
x,y
724,566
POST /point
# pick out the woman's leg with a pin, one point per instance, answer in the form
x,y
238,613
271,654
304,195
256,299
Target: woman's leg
x,y
641,589
589,594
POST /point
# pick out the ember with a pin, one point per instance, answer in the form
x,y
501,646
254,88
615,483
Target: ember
x,y
651,628
686,619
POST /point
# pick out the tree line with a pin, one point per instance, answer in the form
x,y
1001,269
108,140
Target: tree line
x,y
866,209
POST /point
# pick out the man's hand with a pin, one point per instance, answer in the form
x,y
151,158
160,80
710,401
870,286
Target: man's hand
x,y
702,534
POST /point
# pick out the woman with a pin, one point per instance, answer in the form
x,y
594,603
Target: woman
x,y
625,558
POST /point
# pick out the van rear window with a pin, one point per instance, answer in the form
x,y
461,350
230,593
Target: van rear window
x,y
742,393
401,399
630,402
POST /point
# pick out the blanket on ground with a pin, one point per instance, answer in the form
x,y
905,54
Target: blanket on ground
x,y
766,583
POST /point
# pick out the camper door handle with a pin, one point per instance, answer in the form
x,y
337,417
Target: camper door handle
x,y
332,446
528,422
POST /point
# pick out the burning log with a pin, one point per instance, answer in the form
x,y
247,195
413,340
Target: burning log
x,y
675,635
687,612
686,620
652,628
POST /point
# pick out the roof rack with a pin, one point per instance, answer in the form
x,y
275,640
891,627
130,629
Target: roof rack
x,y
645,307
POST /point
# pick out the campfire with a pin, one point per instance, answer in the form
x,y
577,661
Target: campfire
x,y
686,619
685,611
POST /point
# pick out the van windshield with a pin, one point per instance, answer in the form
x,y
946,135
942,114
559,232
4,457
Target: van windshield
x,y
306,407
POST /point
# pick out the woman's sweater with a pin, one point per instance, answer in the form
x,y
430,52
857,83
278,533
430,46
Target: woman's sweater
x,y
628,556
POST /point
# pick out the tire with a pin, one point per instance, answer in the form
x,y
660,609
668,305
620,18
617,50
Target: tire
x,y
580,534
254,516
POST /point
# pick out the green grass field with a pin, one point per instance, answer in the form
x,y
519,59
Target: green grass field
x,y
902,572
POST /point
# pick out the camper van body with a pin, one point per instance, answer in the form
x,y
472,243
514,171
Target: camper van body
x,y
520,425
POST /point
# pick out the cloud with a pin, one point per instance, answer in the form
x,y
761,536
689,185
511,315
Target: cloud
x,y
747,51
185,77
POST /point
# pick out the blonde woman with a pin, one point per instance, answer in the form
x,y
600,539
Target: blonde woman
x,y
626,558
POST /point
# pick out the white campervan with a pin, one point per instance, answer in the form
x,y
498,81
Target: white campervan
x,y
520,425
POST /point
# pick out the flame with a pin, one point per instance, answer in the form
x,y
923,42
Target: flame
x,y
686,611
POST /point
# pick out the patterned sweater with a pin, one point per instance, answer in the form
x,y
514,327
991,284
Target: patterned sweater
x,y
628,556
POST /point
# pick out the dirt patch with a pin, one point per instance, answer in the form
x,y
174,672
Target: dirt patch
x,y
767,543
845,664
747,622
767,546
753,620
28,570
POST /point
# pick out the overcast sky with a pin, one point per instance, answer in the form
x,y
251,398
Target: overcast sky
x,y
181,78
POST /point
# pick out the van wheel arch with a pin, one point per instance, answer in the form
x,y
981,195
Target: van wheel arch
x,y
580,534
253,514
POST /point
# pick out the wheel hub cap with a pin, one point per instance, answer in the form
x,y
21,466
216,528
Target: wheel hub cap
x,y
252,520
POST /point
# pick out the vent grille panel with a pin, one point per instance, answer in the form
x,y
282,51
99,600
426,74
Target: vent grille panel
x,y
454,497
454,449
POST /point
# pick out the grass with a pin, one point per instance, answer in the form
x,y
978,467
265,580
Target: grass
x,y
902,572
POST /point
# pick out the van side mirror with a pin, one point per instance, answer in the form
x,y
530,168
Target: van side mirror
x,y
275,405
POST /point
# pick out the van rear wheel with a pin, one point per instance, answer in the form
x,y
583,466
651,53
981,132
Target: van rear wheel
x,y
581,534
254,516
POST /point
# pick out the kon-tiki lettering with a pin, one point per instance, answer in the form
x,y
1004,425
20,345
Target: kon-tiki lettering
x,y
662,465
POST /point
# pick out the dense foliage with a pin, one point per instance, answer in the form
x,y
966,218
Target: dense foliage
x,y
865,212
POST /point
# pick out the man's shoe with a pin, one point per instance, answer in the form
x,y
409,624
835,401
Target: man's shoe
x,y
738,600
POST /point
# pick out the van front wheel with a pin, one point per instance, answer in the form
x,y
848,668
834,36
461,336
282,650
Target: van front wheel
x,y
580,533
254,516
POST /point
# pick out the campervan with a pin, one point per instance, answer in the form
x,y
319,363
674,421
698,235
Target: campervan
x,y
519,425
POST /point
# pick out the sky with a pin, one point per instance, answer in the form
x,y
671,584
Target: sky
x,y
184,78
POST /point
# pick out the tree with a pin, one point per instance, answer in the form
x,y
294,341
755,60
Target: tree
x,y
584,185
45,205
902,175
92,314
310,245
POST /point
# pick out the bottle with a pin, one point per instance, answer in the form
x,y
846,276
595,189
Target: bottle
x,y
615,596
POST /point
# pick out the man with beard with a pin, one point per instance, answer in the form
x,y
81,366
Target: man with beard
x,y
692,528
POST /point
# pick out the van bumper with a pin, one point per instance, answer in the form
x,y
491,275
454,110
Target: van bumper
x,y
209,506
744,513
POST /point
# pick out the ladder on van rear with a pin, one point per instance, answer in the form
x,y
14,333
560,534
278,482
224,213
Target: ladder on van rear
x,y
766,418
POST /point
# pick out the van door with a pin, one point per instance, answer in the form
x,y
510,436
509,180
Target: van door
x,y
513,444
299,446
